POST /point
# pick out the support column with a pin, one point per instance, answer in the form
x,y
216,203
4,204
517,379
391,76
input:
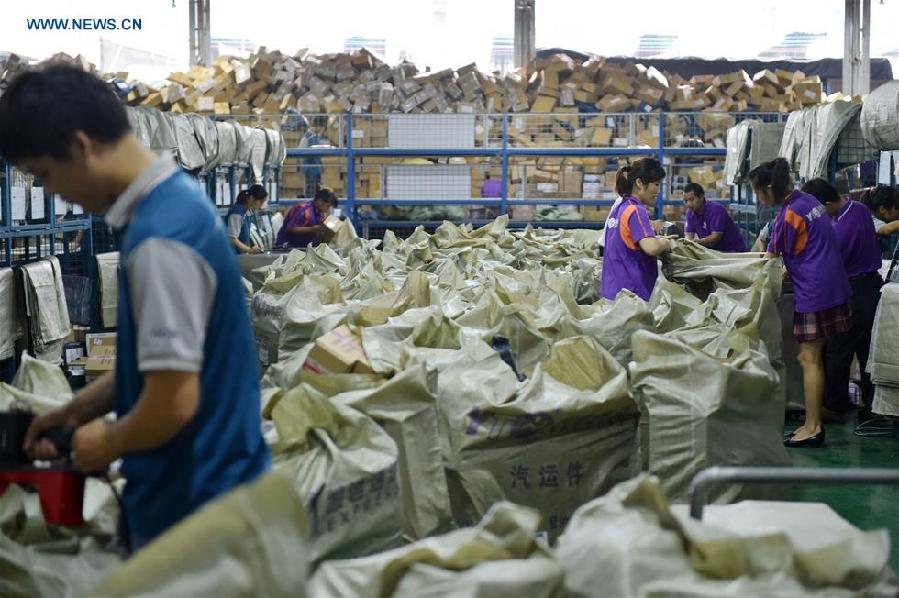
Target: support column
x,y
857,48
200,42
525,41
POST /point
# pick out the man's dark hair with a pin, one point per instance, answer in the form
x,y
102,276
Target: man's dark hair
x,y
822,190
41,110
327,194
694,188
257,191
881,196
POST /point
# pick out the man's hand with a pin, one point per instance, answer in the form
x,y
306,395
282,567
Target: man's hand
x,y
255,249
40,448
92,401
324,233
93,446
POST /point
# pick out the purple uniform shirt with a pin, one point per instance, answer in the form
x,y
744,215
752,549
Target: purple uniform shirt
x,y
492,188
857,239
715,219
624,264
804,236
303,214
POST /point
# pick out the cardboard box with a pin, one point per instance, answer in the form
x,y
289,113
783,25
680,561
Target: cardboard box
x,y
592,190
613,103
570,181
594,213
96,366
101,343
543,103
602,136
523,212
338,352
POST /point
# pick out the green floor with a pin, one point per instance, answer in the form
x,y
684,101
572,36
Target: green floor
x,y
868,507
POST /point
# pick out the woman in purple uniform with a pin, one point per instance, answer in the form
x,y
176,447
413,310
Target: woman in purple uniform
x,y
631,248
803,235
857,239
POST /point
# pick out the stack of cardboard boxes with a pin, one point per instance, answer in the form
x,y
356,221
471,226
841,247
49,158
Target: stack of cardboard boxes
x,y
550,99
268,83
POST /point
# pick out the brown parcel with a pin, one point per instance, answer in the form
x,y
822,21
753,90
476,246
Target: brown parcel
x,y
339,352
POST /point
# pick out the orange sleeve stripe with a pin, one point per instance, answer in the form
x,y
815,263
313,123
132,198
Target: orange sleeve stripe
x,y
798,224
624,226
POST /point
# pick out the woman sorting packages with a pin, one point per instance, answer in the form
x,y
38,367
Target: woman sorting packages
x,y
803,235
304,223
631,247
860,250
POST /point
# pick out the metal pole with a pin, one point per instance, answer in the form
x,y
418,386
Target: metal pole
x,y
93,275
660,199
192,32
857,47
199,35
712,476
525,39
351,171
504,205
7,211
864,71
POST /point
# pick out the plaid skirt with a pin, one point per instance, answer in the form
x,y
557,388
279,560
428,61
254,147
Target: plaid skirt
x,y
821,324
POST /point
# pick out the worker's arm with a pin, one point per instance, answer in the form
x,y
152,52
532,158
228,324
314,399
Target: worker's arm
x,y
243,247
763,241
655,246
718,220
235,226
889,229
635,228
305,230
93,401
172,290
167,404
711,240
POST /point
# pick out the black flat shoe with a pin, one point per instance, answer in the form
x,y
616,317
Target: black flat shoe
x,y
815,441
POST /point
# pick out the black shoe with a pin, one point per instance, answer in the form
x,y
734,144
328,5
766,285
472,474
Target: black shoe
x,y
811,442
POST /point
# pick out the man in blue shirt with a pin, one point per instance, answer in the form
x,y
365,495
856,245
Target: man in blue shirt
x,y
184,391
312,165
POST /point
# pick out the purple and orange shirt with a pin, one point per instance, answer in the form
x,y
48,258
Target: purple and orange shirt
x,y
857,239
804,236
624,264
303,214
